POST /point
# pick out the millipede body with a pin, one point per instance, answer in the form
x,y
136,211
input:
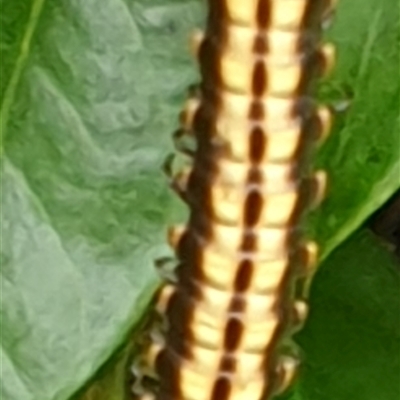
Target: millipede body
x,y
242,257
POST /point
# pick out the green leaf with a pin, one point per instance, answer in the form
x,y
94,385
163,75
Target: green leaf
x,y
90,96
362,156
351,341
352,338
90,92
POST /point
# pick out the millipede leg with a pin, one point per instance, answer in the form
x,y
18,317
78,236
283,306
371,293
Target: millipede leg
x,y
153,353
328,54
184,137
311,249
310,262
142,370
320,185
175,234
165,267
195,41
167,166
178,180
163,299
325,122
189,111
287,371
327,16
143,396
185,142
299,312
137,373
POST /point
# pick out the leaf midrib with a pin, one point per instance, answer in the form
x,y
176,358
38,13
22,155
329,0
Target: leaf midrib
x,y
25,47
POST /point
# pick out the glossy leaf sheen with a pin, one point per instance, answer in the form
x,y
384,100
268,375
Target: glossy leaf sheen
x,y
90,91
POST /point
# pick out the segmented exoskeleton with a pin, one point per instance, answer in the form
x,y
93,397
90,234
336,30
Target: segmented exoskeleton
x,y
235,302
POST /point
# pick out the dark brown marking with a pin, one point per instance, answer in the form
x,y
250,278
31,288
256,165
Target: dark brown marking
x,y
228,363
253,204
263,13
209,62
257,145
179,314
221,390
233,333
217,18
253,207
259,81
189,252
243,276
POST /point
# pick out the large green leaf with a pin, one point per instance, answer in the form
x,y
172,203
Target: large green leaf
x,y
90,91
91,96
363,153
351,340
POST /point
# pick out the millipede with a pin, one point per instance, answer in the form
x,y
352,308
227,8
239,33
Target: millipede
x,y
244,264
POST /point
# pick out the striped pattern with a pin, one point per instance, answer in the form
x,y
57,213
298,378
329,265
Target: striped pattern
x,y
234,305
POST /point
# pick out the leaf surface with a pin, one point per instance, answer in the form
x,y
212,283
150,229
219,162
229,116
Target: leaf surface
x,y
85,122
351,341
362,156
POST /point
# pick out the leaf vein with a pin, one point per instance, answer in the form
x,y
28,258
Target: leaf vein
x,y
19,67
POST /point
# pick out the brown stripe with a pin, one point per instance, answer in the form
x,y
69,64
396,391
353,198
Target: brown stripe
x,y
263,13
217,17
259,81
233,333
244,276
179,314
228,363
189,253
257,145
253,207
222,389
